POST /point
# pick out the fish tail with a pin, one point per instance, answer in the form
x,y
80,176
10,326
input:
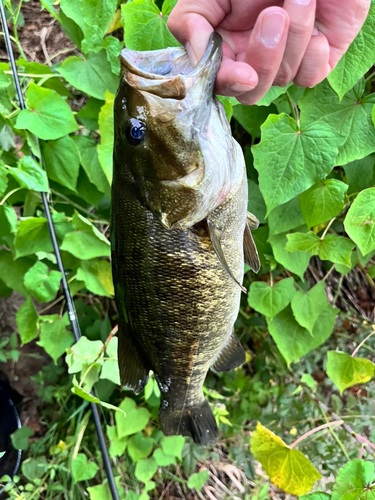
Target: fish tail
x,y
195,421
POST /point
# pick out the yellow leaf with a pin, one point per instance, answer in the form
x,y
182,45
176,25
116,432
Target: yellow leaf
x,y
288,469
115,23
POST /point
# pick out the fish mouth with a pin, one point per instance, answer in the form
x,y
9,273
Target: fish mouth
x,y
168,72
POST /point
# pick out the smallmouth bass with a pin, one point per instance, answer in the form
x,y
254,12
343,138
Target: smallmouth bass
x,y
179,232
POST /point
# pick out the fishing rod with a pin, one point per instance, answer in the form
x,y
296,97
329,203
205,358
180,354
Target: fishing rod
x,y
69,301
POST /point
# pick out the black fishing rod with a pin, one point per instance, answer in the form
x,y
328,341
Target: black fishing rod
x,y
69,301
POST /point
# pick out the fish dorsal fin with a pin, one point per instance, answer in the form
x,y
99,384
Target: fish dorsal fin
x,y
249,248
214,234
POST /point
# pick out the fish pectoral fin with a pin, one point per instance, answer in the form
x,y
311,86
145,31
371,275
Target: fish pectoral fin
x,y
214,235
231,355
252,221
250,250
133,373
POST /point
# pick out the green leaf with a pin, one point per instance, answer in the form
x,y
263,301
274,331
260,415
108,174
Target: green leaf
x,y
82,470
198,480
353,480
27,321
87,396
287,468
322,201
360,219
34,468
110,370
32,236
360,174
294,341
113,46
20,438
357,60
318,495
7,138
162,459
47,115
12,272
139,447
146,27
350,118
54,337
272,94
62,161
290,160
97,276
118,446
3,178
90,162
102,491
92,75
172,445
106,129
86,242
146,469
83,353
270,300
8,221
307,307
295,262
252,117
336,249
41,284
97,16
346,371
285,217
256,203
30,175
132,420
89,115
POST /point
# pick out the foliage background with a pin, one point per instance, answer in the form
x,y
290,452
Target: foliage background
x,y
310,162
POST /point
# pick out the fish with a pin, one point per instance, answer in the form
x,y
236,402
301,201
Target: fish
x,y
180,232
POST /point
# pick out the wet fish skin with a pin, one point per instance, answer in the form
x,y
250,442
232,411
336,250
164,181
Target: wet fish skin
x,y
177,303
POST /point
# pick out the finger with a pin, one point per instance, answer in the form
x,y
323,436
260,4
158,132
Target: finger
x,y
265,51
193,21
234,78
315,64
301,16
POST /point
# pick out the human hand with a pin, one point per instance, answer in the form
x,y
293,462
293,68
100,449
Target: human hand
x,y
269,42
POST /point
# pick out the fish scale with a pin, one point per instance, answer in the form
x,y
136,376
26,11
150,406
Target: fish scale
x,y
176,288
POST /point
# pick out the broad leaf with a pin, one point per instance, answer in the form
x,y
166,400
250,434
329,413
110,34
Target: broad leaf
x,y
88,396
20,438
8,221
27,321
146,27
357,59
88,154
336,249
32,236
360,174
62,161
294,341
252,117
89,114
83,353
54,337
295,262
307,307
322,201
346,371
82,469
290,160
93,75
106,129
146,469
132,420
86,242
359,222
173,445
270,300
12,271
318,495
354,481
3,177
287,468
139,447
272,94
47,115
198,479
285,217
96,15
162,459
97,276
350,118
41,284
30,175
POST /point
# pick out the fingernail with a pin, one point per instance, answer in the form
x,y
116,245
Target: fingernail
x,y
272,29
302,2
239,87
315,32
190,51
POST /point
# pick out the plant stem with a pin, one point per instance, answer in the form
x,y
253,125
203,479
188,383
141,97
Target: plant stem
x,y
9,195
334,435
361,344
73,204
326,229
317,429
329,272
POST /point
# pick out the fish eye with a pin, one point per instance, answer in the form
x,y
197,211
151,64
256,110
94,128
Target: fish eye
x,y
136,132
